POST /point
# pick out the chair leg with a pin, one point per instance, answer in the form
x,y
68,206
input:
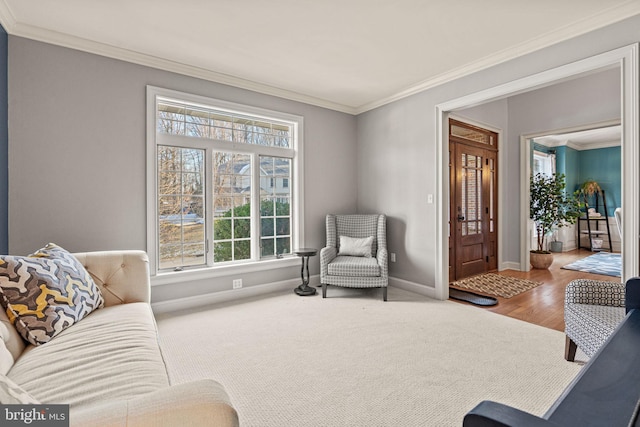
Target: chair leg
x,y
570,349
384,293
324,290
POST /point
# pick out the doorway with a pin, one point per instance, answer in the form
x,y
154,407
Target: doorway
x,y
590,153
473,170
624,59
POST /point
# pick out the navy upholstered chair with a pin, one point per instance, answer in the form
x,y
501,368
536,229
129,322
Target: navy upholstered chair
x,y
356,253
606,392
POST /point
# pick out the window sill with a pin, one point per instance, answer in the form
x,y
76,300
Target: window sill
x,y
171,277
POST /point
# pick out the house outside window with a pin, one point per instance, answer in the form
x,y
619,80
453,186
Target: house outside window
x,y
216,193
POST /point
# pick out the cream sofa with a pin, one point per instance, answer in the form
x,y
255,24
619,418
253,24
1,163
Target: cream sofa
x,y
109,367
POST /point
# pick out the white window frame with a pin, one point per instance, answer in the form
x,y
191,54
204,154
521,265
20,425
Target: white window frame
x,y
154,139
548,159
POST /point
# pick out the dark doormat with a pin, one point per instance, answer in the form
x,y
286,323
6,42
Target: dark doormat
x,y
471,297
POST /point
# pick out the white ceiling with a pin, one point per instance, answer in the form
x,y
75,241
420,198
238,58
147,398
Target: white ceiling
x,y
610,136
348,55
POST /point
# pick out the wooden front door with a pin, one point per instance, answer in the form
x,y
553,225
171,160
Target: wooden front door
x,y
473,211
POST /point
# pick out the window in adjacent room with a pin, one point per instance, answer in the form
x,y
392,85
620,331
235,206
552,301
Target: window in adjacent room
x,y
544,163
224,182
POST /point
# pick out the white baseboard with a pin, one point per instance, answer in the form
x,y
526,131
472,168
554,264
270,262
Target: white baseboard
x,y
510,266
252,291
416,288
229,295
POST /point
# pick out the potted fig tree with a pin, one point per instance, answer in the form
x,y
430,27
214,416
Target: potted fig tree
x,y
550,208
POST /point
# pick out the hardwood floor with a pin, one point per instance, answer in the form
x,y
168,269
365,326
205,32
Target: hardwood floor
x,y
544,305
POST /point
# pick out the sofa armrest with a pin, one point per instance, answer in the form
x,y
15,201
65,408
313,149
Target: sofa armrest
x,y
123,276
595,292
198,403
493,414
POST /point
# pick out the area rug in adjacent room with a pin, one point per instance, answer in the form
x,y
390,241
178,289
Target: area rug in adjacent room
x,y
353,360
604,263
496,284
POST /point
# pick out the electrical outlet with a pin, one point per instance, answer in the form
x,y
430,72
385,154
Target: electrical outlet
x,y
393,257
237,283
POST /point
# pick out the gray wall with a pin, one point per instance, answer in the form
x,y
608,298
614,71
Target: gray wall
x,y
77,155
397,146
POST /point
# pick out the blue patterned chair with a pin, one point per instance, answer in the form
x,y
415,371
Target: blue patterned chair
x,y
592,311
341,265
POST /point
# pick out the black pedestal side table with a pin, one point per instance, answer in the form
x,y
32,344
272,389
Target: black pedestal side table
x,y
304,289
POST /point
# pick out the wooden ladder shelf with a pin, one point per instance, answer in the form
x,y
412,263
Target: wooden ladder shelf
x,y
597,232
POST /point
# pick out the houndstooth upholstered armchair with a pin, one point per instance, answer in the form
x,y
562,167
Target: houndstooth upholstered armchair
x,y
356,253
592,311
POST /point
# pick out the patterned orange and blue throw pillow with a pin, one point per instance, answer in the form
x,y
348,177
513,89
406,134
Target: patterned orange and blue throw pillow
x,y
46,292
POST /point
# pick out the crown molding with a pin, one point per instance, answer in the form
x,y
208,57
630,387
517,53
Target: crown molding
x,y
595,145
591,146
580,147
7,19
65,40
571,144
610,16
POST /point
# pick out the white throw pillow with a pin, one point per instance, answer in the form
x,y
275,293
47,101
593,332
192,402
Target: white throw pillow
x,y
352,246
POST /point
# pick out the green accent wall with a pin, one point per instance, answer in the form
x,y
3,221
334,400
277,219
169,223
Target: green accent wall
x,y
568,163
603,165
542,148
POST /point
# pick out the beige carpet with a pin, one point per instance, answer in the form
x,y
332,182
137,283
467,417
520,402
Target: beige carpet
x,y
496,284
353,360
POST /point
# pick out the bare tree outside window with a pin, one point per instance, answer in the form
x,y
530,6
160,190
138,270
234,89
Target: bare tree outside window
x,y
208,198
181,221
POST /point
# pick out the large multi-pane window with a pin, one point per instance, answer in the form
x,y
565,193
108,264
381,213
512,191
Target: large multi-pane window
x,y
224,180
